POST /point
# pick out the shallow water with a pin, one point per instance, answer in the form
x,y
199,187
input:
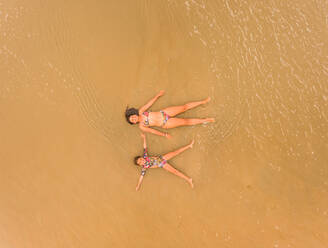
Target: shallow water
x,y
68,71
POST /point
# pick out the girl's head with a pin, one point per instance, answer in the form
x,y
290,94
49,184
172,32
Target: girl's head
x,y
140,161
132,115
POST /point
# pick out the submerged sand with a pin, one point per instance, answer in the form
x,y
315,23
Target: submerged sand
x,y
68,71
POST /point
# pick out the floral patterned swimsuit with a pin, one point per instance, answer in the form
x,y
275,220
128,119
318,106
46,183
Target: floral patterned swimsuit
x,y
152,161
166,117
146,121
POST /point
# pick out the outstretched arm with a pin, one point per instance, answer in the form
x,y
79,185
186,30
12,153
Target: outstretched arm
x,y
140,180
153,131
144,140
151,102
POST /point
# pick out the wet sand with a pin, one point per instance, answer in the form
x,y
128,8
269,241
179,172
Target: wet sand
x,y
68,71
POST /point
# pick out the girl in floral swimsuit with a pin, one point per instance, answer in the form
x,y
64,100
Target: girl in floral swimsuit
x,y
150,162
164,118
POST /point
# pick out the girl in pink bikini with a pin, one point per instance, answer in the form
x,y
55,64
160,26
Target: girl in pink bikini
x,y
164,118
151,162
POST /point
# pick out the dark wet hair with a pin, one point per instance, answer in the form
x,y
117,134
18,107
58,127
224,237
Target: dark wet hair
x,y
136,160
129,112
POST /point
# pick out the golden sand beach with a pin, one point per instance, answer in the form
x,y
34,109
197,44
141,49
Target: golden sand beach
x,y
68,69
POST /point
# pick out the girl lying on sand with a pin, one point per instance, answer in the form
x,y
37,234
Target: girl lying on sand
x,y
151,162
164,118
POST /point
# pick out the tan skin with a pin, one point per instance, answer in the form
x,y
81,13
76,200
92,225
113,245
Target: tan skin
x,y
167,167
156,118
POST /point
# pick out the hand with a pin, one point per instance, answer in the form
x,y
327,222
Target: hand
x,y
143,135
168,136
190,182
191,143
161,93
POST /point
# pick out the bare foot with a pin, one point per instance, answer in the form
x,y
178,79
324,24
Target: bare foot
x,y
191,143
161,93
168,136
207,120
190,182
207,100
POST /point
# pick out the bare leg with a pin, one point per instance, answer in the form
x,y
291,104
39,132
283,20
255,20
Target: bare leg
x,y
173,111
178,173
177,122
175,153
